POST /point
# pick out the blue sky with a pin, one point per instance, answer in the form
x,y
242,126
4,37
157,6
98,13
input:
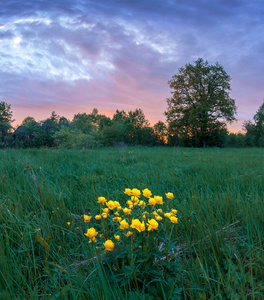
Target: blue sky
x,y
72,56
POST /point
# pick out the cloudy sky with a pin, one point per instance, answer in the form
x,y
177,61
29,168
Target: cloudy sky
x,y
71,56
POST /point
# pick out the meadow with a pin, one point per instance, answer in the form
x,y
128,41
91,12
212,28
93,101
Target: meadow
x,y
217,245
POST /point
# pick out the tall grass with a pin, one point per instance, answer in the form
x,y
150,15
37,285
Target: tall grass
x,y
218,242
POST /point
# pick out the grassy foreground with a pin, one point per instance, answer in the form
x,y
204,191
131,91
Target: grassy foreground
x,y
219,195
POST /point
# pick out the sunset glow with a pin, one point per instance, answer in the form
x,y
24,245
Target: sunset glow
x,y
72,56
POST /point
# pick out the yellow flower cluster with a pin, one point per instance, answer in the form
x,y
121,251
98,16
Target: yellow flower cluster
x,y
131,219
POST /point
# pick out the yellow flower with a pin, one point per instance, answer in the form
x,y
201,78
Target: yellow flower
x,y
144,217
68,223
119,208
134,199
104,215
174,219
129,203
174,212
155,213
169,195
111,204
105,210
158,199
136,192
109,245
136,224
124,224
147,193
159,211
116,214
158,218
117,204
101,200
127,211
128,192
117,237
98,217
129,233
91,233
167,215
142,204
152,201
143,227
152,224
86,218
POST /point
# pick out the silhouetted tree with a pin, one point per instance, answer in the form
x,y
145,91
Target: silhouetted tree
x,y
200,104
5,120
160,132
28,120
83,122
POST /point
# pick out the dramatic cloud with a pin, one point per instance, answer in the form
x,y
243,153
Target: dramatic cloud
x,y
72,56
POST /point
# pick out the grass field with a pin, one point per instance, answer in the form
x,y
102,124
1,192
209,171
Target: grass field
x,y
219,195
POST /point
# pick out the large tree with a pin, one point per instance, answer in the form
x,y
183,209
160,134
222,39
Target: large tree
x,y
5,119
200,105
5,113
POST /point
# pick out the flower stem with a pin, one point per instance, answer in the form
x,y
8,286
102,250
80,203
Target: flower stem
x,y
133,261
167,252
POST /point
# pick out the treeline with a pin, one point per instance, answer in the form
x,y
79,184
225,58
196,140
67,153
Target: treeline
x,y
124,128
84,131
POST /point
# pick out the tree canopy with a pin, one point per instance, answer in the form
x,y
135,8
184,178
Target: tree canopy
x,y
200,105
5,120
5,113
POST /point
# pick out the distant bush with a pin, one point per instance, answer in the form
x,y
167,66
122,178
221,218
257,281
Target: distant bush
x,y
76,139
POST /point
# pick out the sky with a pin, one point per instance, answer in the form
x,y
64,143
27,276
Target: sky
x,y
73,56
